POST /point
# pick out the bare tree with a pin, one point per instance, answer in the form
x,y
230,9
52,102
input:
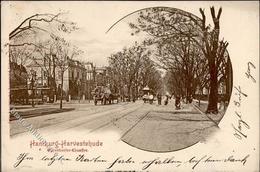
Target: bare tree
x,y
181,58
214,51
34,33
33,39
63,53
133,68
173,25
127,64
35,23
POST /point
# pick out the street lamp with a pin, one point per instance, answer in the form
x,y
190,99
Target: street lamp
x,y
33,78
79,87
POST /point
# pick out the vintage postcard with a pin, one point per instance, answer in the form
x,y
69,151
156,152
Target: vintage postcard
x,y
129,86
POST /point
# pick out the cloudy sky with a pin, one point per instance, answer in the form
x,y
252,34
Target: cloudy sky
x,y
238,22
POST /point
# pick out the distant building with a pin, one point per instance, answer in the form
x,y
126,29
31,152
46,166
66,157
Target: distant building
x,y
39,79
18,83
101,76
75,76
45,76
89,81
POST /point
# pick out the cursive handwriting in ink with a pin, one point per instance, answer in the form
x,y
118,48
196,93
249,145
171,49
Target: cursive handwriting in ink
x,y
54,158
232,159
193,161
82,158
239,94
241,124
196,161
248,72
22,157
119,160
158,161
239,130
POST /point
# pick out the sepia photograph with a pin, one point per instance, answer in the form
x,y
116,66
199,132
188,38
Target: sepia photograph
x,y
153,79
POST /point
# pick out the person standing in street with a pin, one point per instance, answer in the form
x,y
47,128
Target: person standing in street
x,y
159,98
151,98
166,100
177,102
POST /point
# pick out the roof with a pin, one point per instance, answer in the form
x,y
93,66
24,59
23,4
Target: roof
x,y
146,88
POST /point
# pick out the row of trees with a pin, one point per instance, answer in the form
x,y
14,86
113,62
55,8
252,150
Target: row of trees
x,y
188,49
132,69
40,39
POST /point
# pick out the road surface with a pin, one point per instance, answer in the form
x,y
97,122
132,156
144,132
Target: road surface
x,y
145,126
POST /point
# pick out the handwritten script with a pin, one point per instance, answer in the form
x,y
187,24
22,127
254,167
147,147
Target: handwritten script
x,y
241,126
122,162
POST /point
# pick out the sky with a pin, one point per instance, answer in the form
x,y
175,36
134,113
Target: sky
x,y
238,22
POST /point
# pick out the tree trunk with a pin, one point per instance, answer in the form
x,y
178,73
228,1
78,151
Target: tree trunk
x,y
211,45
129,92
61,92
200,95
213,92
187,95
228,82
54,77
188,90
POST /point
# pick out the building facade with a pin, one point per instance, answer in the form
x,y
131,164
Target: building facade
x,y
42,80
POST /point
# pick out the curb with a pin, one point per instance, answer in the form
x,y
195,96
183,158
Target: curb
x,y
197,108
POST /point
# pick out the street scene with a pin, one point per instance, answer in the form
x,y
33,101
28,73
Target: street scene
x,y
162,83
146,126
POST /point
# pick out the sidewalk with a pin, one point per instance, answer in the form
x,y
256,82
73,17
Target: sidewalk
x,y
170,107
165,129
203,107
57,103
39,112
27,111
192,108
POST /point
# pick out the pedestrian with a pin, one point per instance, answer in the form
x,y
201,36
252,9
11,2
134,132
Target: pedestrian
x,y
159,98
166,100
151,98
133,98
177,102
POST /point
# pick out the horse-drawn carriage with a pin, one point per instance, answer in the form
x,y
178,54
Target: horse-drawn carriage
x,y
104,95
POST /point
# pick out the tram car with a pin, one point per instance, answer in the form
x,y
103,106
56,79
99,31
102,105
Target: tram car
x,y
148,96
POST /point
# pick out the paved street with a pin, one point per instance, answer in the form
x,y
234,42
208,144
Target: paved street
x,y
142,125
